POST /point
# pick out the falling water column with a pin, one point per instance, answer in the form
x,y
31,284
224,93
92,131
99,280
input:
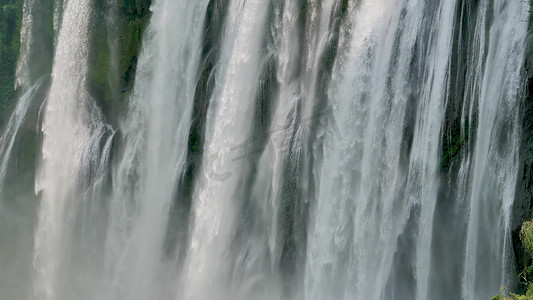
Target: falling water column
x,y
64,134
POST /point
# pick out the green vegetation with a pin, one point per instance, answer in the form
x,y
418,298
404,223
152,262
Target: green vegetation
x,y
131,21
526,275
111,77
130,45
100,60
453,143
10,23
344,7
512,297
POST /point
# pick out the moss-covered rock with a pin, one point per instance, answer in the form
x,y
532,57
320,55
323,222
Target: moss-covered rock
x,y
526,236
512,297
10,23
116,38
526,273
453,142
130,46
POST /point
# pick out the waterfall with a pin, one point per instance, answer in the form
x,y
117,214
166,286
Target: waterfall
x,y
71,129
229,119
371,198
22,72
155,153
265,149
8,138
17,206
57,17
495,159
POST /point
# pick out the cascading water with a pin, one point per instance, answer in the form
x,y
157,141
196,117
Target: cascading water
x,y
216,199
26,37
295,149
156,153
494,172
7,140
72,131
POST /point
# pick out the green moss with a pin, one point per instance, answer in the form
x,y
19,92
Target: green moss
x,y
131,26
526,275
111,78
100,67
453,143
512,297
526,236
130,46
10,23
344,7
303,14
194,141
42,58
